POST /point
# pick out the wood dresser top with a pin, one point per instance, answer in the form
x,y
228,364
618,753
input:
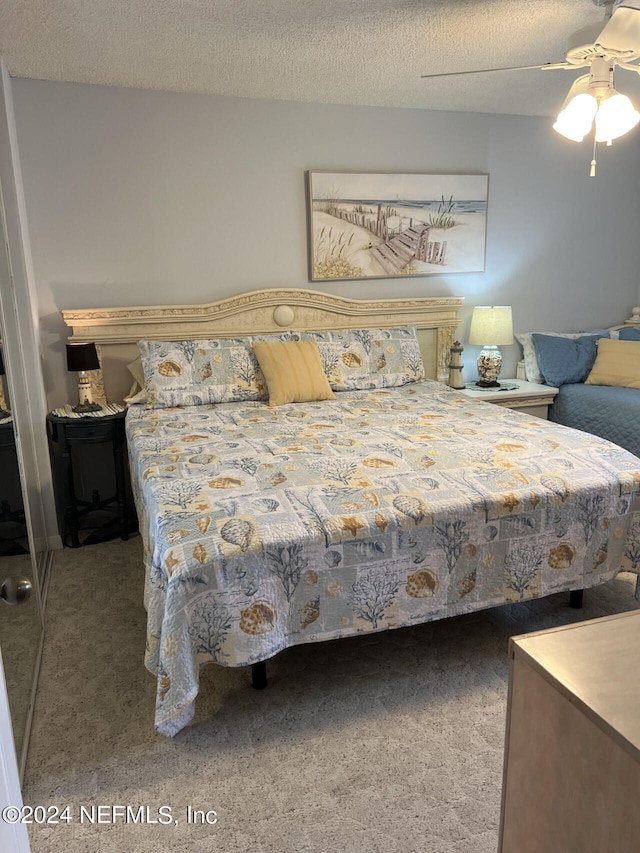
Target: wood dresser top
x,y
596,665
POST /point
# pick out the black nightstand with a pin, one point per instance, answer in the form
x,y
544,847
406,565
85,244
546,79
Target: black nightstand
x,y
64,434
13,525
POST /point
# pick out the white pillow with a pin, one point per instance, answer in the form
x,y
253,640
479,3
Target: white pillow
x,y
525,339
136,398
137,373
138,393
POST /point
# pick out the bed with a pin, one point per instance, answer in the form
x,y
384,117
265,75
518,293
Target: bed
x,y
388,505
611,410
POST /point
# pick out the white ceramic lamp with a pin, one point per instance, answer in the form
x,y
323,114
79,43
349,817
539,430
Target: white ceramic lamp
x,y
491,327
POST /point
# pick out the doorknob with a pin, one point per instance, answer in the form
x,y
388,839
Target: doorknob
x,y
15,590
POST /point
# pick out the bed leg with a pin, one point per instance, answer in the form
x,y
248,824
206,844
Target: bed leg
x,y
575,598
259,675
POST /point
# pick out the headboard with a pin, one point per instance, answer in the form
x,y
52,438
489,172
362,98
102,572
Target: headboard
x,y
633,321
116,331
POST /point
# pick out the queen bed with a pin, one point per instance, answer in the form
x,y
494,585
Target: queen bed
x,y
390,500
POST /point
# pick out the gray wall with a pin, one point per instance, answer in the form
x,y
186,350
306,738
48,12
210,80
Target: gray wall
x,y
137,197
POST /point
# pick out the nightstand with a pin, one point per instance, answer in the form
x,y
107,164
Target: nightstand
x,y
13,529
528,397
66,433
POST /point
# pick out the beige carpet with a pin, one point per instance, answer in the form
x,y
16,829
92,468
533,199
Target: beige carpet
x,y
391,742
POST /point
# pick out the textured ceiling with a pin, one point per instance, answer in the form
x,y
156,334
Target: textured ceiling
x,y
369,52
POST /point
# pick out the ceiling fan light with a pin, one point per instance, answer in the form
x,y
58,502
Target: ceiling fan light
x,y
575,119
616,116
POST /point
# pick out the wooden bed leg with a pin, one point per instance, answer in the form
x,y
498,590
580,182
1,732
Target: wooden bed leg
x,y
259,675
575,598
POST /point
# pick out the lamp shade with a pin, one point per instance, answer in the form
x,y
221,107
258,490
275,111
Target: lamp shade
x,y
578,111
82,357
593,96
616,116
491,326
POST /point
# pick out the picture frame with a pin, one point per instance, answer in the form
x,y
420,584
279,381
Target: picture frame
x,y
388,224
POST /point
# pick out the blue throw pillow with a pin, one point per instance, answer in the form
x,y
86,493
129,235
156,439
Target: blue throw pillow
x,y
565,361
629,335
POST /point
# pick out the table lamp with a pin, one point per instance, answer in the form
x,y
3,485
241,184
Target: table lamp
x,y
491,327
3,412
80,358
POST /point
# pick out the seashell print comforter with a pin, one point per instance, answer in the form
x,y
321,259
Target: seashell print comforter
x,y
265,528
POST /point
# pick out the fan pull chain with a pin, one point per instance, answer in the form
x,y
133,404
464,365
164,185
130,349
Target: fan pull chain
x,y
593,162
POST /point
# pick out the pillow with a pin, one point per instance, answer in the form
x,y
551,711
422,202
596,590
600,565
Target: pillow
x,y
191,373
362,359
135,369
564,361
617,363
525,339
137,393
293,372
136,398
629,334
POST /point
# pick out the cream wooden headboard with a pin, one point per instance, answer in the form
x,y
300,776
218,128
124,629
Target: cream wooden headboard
x,y
117,330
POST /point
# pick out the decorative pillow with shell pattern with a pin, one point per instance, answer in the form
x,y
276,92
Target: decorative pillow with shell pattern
x,y
192,373
361,359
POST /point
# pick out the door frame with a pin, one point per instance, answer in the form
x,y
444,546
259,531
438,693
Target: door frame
x,y
13,836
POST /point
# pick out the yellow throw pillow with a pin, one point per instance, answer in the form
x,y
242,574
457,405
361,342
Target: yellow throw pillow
x,y
293,371
617,363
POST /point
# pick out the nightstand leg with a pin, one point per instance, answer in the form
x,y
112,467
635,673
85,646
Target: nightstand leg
x,y
575,598
121,494
70,509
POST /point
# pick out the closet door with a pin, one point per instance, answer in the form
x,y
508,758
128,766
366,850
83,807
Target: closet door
x,y
24,464
21,626
13,836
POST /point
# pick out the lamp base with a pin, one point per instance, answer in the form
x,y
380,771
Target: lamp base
x,y
85,402
82,408
488,384
489,365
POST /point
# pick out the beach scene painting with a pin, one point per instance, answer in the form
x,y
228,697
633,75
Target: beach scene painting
x,y
382,225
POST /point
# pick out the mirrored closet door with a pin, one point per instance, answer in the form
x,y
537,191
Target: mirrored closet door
x,y
23,552
20,617
23,540
21,558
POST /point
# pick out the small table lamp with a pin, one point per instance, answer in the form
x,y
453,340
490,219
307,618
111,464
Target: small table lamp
x,y
3,412
491,327
80,358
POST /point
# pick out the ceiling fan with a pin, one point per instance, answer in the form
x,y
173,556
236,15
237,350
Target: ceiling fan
x,y
592,97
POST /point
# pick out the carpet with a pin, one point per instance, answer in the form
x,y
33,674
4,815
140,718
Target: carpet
x,y
386,742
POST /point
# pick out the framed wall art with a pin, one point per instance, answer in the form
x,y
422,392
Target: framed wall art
x,y
383,225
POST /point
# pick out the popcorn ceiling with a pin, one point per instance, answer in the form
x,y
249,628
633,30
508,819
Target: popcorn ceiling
x,y
368,52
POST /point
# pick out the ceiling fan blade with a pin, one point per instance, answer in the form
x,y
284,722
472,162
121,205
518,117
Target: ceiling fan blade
x,y
547,65
621,33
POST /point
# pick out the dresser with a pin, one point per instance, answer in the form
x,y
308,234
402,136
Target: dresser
x,y
572,756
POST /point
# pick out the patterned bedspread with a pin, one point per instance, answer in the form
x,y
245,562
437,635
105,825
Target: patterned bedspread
x,y
265,528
